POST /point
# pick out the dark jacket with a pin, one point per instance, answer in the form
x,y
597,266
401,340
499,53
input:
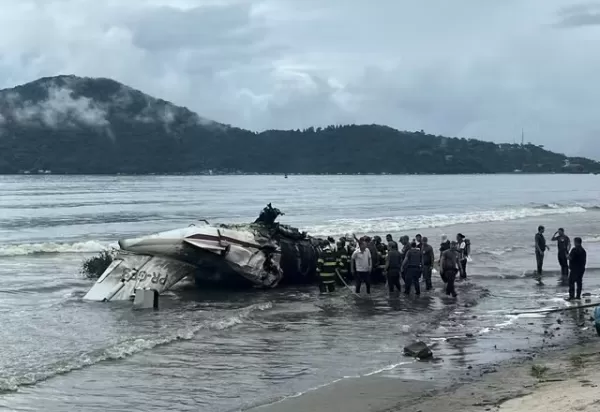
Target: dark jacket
x,y
395,261
413,258
577,259
374,255
428,255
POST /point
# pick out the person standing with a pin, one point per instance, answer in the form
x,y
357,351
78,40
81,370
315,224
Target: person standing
x,y
464,249
405,248
540,249
326,268
577,262
343,263
393,265
450,266
419,241
428,259
412,266
563,246
361,263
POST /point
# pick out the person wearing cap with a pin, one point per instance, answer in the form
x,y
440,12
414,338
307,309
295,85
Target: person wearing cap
x,y
327,264
540,249
563,246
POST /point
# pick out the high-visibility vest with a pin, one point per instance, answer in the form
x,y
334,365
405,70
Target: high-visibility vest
x,y
326,266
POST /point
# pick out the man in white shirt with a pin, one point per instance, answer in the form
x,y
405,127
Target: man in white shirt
x,y
361,264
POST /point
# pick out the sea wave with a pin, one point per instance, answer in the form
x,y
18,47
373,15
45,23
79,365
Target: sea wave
x,y
24,249
125,349
402,223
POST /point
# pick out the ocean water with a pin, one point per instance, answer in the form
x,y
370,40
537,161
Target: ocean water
x,y
228,351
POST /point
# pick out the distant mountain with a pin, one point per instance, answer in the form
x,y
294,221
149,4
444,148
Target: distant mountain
x,y
69,124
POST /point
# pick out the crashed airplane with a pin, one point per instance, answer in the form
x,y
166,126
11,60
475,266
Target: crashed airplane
x,y
263,254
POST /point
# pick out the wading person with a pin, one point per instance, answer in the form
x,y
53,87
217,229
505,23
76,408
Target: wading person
x,y
464,249
326,268
449,266
563,244
577,262
412,269
343,263
419,240
404,241
540,249
428,259
361,264
393,266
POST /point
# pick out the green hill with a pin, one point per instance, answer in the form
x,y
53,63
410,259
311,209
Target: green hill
x,y
69,124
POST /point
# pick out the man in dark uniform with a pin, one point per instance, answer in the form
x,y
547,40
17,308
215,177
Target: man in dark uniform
x,y
540,249
326,269
449,266
563,246
412,269
393,266
428,259
577,262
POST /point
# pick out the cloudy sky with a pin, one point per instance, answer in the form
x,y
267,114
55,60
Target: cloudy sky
x,y
473,68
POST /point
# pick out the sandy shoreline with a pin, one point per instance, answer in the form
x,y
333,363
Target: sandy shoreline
x,y
557,379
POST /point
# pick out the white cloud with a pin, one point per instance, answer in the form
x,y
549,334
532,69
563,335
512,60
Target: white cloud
x,y
60,108
474,68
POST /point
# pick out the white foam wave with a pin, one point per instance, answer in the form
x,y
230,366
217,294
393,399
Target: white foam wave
x,y
401,223
124,349
24,249
592,239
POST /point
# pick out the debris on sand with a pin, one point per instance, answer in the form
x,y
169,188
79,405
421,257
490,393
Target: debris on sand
x,y
418,350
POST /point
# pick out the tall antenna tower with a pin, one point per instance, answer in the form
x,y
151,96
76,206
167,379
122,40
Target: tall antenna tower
x,y
522,137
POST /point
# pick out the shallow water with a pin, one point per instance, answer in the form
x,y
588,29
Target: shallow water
x,y
226,351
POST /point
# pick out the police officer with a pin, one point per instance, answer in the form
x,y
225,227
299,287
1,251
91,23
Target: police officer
x,y
412,269
449,267
393,267
326,268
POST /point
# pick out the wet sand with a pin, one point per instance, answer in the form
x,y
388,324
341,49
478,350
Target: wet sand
x,y
551,379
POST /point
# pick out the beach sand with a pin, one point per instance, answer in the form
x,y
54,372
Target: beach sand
x,y
555,380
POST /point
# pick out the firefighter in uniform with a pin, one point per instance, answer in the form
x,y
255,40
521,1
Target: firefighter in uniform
x,y
343,263
326,269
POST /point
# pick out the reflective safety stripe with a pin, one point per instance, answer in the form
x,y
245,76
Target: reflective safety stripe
x,y
327,282
330,264
320,260
326,274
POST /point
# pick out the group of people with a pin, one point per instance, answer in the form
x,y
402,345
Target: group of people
x,y
572,260
367,260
